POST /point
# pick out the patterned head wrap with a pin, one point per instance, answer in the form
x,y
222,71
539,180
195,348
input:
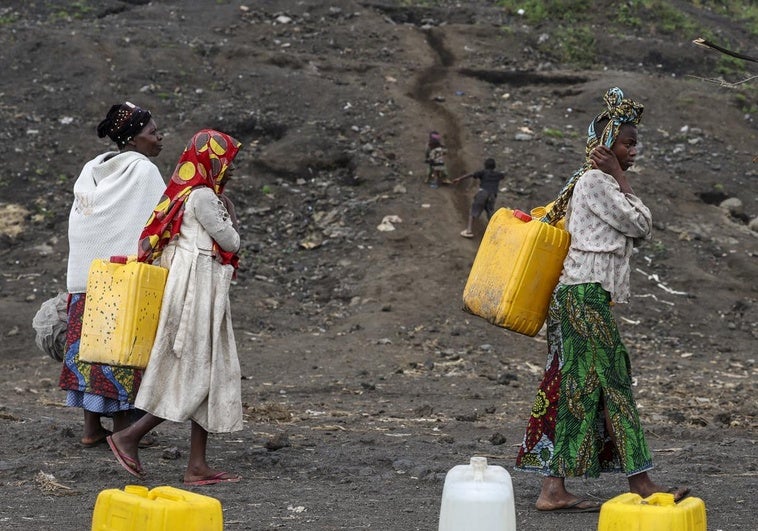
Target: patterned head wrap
x,y
203,163
123,122
619,111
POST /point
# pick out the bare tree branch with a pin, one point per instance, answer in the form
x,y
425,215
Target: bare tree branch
x,y
723,83
707,44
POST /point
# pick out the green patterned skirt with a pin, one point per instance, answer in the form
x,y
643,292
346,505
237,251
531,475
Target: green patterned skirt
x,y
587,373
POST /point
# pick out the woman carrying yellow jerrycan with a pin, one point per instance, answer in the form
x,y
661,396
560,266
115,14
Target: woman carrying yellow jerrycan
x,y
584,419
193,372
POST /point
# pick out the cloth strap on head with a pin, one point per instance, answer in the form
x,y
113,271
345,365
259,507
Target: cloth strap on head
x,y
203,163
123,122
619,111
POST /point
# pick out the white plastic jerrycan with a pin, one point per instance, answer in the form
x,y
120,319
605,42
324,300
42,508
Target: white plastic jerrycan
x,y
477,497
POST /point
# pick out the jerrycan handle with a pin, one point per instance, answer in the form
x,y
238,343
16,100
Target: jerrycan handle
x,y
479,466
121,259
662,499
137,490
166,496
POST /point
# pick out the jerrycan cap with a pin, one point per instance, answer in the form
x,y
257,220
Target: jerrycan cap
x,y
479,467
119,259
523,216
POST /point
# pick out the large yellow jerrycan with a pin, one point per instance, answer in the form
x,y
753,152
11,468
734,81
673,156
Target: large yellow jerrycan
x,y
161,509
121,311
515,271
659,512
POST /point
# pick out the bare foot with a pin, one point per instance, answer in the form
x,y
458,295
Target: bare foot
x,y
554,497
91,440
577,505
679,492
644,486
571,503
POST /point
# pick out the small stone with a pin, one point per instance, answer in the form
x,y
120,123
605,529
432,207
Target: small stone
x,y
497,439
277,442
171,454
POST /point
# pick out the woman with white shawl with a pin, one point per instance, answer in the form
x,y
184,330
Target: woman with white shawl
x,y
114,196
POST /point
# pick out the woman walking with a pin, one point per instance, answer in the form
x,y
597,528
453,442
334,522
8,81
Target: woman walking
x,y
193,372
584,420
113,197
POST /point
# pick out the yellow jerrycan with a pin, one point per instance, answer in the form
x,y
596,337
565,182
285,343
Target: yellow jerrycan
x,y
658,512
160,509
515,271
121,311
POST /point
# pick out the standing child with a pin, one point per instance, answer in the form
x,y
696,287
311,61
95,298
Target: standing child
x,y
193,373
435,158
484,200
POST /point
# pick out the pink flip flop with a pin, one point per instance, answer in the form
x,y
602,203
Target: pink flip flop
x,y
219,477
130,465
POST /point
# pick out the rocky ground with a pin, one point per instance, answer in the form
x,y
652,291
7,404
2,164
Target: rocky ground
x,y
364,381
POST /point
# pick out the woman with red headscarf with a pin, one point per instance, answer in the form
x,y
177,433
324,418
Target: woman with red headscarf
x,y
193,373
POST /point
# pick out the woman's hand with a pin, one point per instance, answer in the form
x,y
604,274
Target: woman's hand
x,y
230,209
606,161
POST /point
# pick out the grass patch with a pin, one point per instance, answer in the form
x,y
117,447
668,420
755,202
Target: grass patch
x,y
8,16
74,10
538,11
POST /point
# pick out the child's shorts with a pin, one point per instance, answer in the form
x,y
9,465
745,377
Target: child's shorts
x,y
483,201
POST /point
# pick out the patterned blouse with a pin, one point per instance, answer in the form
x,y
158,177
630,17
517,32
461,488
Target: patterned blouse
x,y
603,223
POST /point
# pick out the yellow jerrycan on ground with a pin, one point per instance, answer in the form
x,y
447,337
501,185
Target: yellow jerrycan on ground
x,y
161,509
659,512
515,271
121,311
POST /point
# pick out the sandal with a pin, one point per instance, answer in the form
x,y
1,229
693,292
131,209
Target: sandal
x,y
91,443
129,464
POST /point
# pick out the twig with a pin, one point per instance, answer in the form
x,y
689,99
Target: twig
x,y
723,83
707,44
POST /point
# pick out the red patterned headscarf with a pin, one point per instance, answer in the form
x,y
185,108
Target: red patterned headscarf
x,y
203,163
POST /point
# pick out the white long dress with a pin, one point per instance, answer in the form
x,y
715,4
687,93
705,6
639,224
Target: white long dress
x,y
194,372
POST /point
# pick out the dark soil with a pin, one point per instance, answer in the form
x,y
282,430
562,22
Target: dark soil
x,y
364,381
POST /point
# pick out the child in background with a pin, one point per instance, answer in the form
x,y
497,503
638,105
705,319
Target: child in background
x,y
484,200
435,158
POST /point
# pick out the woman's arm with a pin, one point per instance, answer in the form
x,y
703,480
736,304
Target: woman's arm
x,y
216,219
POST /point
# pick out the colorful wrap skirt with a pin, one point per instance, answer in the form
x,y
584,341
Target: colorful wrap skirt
x,y
587,372
95,387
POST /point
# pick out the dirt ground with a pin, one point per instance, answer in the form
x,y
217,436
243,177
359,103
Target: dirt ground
x,y
364,380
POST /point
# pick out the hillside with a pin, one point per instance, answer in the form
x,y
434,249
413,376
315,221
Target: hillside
x,y
359,365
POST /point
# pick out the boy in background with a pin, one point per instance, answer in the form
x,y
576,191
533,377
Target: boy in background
x,y
484,200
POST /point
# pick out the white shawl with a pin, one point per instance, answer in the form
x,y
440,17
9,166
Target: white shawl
x,y
113,200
